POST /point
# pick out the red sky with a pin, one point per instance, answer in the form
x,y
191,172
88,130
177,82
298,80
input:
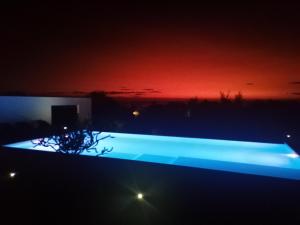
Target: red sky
x,y
176,64
154,52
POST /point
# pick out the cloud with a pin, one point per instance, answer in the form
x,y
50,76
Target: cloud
x,y
151,90
139,94
154,91
118,92
127,91
295,82
296,93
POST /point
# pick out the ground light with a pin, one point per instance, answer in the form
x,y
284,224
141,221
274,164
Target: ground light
x,y
12,174
140,196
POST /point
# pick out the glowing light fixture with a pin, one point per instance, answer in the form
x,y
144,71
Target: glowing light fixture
x,y
136,113
12,174
140,196
293,155
65,128
288,136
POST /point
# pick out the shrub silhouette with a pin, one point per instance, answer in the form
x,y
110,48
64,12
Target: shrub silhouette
x,y
74,142
239,98
225,97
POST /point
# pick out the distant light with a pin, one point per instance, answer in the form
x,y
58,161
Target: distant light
x,y
66,136
288,135
136,113
293,155
65,128
12,174
140,196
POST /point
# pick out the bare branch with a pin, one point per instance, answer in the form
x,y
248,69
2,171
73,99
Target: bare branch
x,y
74,142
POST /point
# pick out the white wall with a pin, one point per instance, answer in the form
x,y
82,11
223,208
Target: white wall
x,y
16,109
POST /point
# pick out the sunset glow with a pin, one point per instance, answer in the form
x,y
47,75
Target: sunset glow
x,y
166,57
185,66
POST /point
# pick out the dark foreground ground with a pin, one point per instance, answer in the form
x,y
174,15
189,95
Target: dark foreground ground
x,y
58,189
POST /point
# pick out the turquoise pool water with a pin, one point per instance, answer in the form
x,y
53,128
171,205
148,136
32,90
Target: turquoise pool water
x,y
267,159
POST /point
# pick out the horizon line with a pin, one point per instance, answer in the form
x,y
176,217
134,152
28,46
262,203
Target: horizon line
x,y
85,94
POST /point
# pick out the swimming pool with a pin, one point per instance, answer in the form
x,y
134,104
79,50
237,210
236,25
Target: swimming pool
x,y
267,159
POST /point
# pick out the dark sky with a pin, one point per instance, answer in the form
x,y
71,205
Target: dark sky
x,y
153,49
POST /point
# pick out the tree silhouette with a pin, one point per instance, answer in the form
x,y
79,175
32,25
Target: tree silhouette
x,y
239,98
106,111
225,97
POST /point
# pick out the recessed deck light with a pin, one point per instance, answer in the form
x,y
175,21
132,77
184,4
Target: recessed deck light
x,y
12,174
140,196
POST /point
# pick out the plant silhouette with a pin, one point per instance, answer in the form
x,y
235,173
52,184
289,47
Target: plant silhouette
x,y
74,142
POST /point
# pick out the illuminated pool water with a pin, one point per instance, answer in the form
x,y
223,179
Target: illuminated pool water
x,y
275,160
